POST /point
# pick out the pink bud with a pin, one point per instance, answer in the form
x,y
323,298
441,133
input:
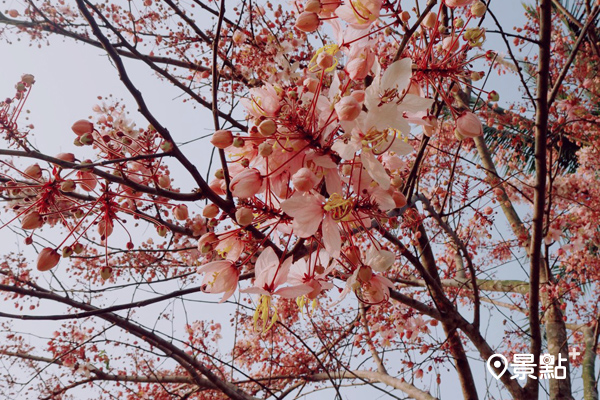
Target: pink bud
x,y
304,180
347,109
13,13
82,126
33,220
68,157
308,22
47,259
164,181
325,60
468,125
458,3
217,186
239,37
210,211
268,127
33,171
429,20
180,212
246,184
450,44
244,216
207,241
313,6
311,84
222,139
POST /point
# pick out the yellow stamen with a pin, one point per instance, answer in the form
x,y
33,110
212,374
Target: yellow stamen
x,y
330,49
362,13
262,313
338,206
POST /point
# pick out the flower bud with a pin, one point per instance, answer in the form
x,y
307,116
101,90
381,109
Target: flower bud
x,y
33,220
493,96
68,186
105,273
238,142
246,183
78,248
68,157
180,212
239,37
220,174
13,13
429,20
325,60
476,76
459,23
164,181
478,9
87,139
307,22
405,16
468,125
458,3
82,126
28,79
105,228
162,230
267,128
47,259
210,211
304,180
311,84
265,149
222,139
244,216
348,109
67,251
206,242
313,6
33,171
331,5
166,146
450,44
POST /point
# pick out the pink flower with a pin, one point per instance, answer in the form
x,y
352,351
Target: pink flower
x,y
308,22
312,272
247,183
221,277
468,125
348,108
359,13
270,274
308,213
263,101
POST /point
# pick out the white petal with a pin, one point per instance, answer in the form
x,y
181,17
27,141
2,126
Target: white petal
x,y
397,75
375,169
